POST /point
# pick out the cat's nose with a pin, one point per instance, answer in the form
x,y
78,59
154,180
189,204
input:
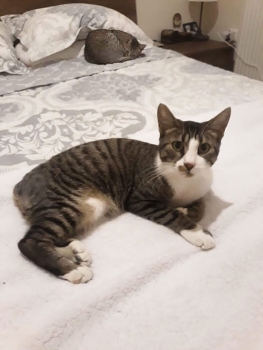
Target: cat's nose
x,y
189,166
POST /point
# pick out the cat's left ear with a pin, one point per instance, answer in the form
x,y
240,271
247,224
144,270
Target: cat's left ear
x,y
142,47
219,123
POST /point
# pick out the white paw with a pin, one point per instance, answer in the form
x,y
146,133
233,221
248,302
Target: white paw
x,y
199,238
77,246
82,256
81,274
183,210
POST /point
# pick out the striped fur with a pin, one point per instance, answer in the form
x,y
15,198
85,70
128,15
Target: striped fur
x,y
78,188
103,46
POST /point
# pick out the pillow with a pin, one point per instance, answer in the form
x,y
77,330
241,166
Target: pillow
x,y
74,51
100,17
46,31
8,60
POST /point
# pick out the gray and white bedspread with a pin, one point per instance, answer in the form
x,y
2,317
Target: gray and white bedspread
x,y
51,73
106,101
151,289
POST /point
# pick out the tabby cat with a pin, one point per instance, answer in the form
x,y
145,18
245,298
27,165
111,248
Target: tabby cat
x,y
104,46
77,188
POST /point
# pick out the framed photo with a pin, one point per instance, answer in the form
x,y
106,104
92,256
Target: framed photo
x,y
190,27
177,19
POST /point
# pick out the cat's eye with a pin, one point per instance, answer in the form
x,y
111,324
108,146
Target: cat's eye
x,y
178,146
204,148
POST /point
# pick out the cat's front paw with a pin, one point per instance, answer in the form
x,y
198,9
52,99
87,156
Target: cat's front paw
x,y
199,237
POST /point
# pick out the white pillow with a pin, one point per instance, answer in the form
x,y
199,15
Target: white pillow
x,y
46,31
8,59
100,17
74,51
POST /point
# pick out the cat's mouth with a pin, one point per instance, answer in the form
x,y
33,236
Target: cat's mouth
x,y
185,171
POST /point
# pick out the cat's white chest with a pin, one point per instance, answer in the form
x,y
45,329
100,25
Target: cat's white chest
x,y
189,189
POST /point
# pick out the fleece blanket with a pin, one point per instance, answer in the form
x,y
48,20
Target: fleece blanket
x,y
151,289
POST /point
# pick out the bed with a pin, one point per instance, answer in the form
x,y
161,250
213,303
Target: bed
x,y
151,289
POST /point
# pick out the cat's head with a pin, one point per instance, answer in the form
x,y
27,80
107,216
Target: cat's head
x,y
134,47
189,146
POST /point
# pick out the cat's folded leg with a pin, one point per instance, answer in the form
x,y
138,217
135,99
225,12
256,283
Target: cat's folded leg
x,y
67,260
175,220
195,210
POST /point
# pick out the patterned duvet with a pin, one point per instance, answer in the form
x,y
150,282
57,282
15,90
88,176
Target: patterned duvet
x,y
40,117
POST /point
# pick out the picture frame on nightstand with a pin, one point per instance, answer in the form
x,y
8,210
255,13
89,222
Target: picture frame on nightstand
x,y
190,27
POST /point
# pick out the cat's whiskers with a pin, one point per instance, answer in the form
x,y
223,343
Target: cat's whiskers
x,y
153,167
151,170
163,172
158,180
152,177
155,174
167,168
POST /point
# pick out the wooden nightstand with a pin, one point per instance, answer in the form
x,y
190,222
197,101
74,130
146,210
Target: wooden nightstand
x,y
213,52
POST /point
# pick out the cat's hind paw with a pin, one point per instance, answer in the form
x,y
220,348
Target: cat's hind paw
x,y
199,237
183,210
81,274
80,252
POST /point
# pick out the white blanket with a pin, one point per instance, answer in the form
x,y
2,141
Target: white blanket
x,y
151,289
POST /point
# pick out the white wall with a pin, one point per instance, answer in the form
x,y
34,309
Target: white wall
x,y
230,15
250,43
155,15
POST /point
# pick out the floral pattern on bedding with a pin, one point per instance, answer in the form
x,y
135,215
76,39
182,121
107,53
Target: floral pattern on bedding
x,y
66,70
38,123
40,137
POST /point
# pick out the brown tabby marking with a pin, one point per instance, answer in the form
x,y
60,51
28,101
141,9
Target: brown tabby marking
x,y
103,46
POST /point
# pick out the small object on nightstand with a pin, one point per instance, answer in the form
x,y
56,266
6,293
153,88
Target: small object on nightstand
x,y
169,36
192,28
177,19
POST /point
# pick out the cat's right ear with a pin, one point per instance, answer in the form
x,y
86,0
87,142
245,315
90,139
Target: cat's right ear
x,y
166,120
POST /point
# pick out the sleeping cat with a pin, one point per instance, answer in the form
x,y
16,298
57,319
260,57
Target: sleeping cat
x,y
104,46
77,188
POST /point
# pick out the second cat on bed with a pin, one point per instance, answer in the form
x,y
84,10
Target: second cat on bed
x,y
103,46
98,180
